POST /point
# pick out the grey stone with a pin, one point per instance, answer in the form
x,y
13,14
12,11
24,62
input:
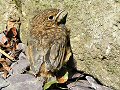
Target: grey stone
x,y
22,47
76,75
80,85
89,84
21,65
95,85
31,85
80,88
23,82
3,83
20,78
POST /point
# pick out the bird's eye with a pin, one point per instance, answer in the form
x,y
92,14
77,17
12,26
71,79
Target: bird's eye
x,y
51,18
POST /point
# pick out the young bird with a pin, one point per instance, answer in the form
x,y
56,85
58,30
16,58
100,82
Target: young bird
x,y
49,42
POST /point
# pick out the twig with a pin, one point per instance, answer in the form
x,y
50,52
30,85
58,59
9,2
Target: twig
x,y
7,55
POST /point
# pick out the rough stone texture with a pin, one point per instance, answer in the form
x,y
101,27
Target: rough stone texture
x,y
80,85
3,83
95,32
95,85
23,82
89,84
7,9
20,66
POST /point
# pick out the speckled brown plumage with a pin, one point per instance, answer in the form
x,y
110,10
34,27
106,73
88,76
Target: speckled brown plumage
x,y
49,42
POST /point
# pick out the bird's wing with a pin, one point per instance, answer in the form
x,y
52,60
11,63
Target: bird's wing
x,y
55,56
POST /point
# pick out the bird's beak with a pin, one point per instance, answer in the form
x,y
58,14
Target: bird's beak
x,y
61,17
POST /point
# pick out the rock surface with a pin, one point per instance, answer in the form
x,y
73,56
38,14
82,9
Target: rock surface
x,y
20,66
23,82
3,83
86,85
21,79
95,32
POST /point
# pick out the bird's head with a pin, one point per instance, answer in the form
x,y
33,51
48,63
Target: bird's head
x,y
48,36
49,18
49,25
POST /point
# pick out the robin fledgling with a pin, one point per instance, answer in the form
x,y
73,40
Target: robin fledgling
x,y
49,42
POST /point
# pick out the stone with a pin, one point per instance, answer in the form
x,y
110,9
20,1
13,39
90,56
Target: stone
x,y
95,85
23,82
3,83
20,65
80,85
